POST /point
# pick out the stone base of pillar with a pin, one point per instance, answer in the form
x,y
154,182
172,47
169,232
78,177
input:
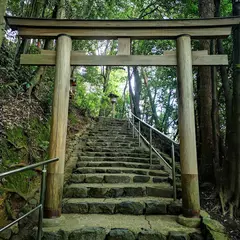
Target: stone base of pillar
x,y
53,222
193,222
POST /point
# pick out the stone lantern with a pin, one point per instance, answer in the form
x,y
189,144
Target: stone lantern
x,y
113,98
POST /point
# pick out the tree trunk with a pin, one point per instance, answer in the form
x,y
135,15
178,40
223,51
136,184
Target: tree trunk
x,y
206,9
130,90
166,114
152,104
61,12
215,122
138,89
124,100
40,71
228,161
236,102
35,7
3,5
105,75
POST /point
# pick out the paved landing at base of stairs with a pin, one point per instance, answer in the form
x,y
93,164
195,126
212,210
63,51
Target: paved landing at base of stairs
x,y
98,226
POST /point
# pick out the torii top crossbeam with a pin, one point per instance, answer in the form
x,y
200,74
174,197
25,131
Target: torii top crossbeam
x,y
113,29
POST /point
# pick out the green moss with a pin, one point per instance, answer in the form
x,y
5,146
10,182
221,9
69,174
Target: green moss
x,y
213,225
14,146
214,230
24,145
219,236
72,118
25,184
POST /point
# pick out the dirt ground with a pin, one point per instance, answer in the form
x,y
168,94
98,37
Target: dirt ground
x,y
210,202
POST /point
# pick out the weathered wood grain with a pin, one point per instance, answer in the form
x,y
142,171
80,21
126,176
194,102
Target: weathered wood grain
x,y
16,22
115,33
78,59
188,151
55,176
124,46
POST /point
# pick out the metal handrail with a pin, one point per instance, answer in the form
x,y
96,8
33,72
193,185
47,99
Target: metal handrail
x,y
42,193
151,148
156,130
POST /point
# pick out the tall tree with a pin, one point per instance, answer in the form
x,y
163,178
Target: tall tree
x,y
153,106
58,12
206,10
138,89
3,4
236,103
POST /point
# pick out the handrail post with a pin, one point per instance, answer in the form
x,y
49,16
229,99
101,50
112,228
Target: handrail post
x,y
174,173
139,133
150,146
42,196
133,126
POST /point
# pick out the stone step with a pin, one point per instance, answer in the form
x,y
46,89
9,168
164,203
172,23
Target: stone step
x,y
118,227
112,120
124,131
120,164
118,125
117,170
116,178
135,206
115,154
118,159
112,148
111,132
112,141
111,138
106,190
112,144
110,127
116,149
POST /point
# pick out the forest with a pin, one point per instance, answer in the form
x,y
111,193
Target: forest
x,y
150,92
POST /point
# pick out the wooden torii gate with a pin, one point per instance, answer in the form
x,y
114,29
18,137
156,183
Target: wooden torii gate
x,y
124,30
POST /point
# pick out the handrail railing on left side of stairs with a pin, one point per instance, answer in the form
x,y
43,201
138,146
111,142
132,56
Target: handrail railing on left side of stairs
x,y
42,193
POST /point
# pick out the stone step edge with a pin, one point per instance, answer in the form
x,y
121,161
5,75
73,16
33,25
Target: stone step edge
x,y
112,159
125,157
114,154
110,227
113,149
117,190
130,164
138,206
148,171
116,178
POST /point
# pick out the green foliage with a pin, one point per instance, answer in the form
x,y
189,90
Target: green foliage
x,y
25,146
72,118
25,184
90,96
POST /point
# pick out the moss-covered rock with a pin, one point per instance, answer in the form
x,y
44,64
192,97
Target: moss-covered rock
x,y
96,233
120,234
178,236
213,230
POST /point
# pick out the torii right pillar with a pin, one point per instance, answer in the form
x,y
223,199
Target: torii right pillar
x,y
188,152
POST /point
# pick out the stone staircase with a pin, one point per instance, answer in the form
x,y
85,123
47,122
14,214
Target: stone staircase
x,y
115,193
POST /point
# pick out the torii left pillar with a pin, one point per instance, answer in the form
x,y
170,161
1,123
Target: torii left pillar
x,y
55,176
